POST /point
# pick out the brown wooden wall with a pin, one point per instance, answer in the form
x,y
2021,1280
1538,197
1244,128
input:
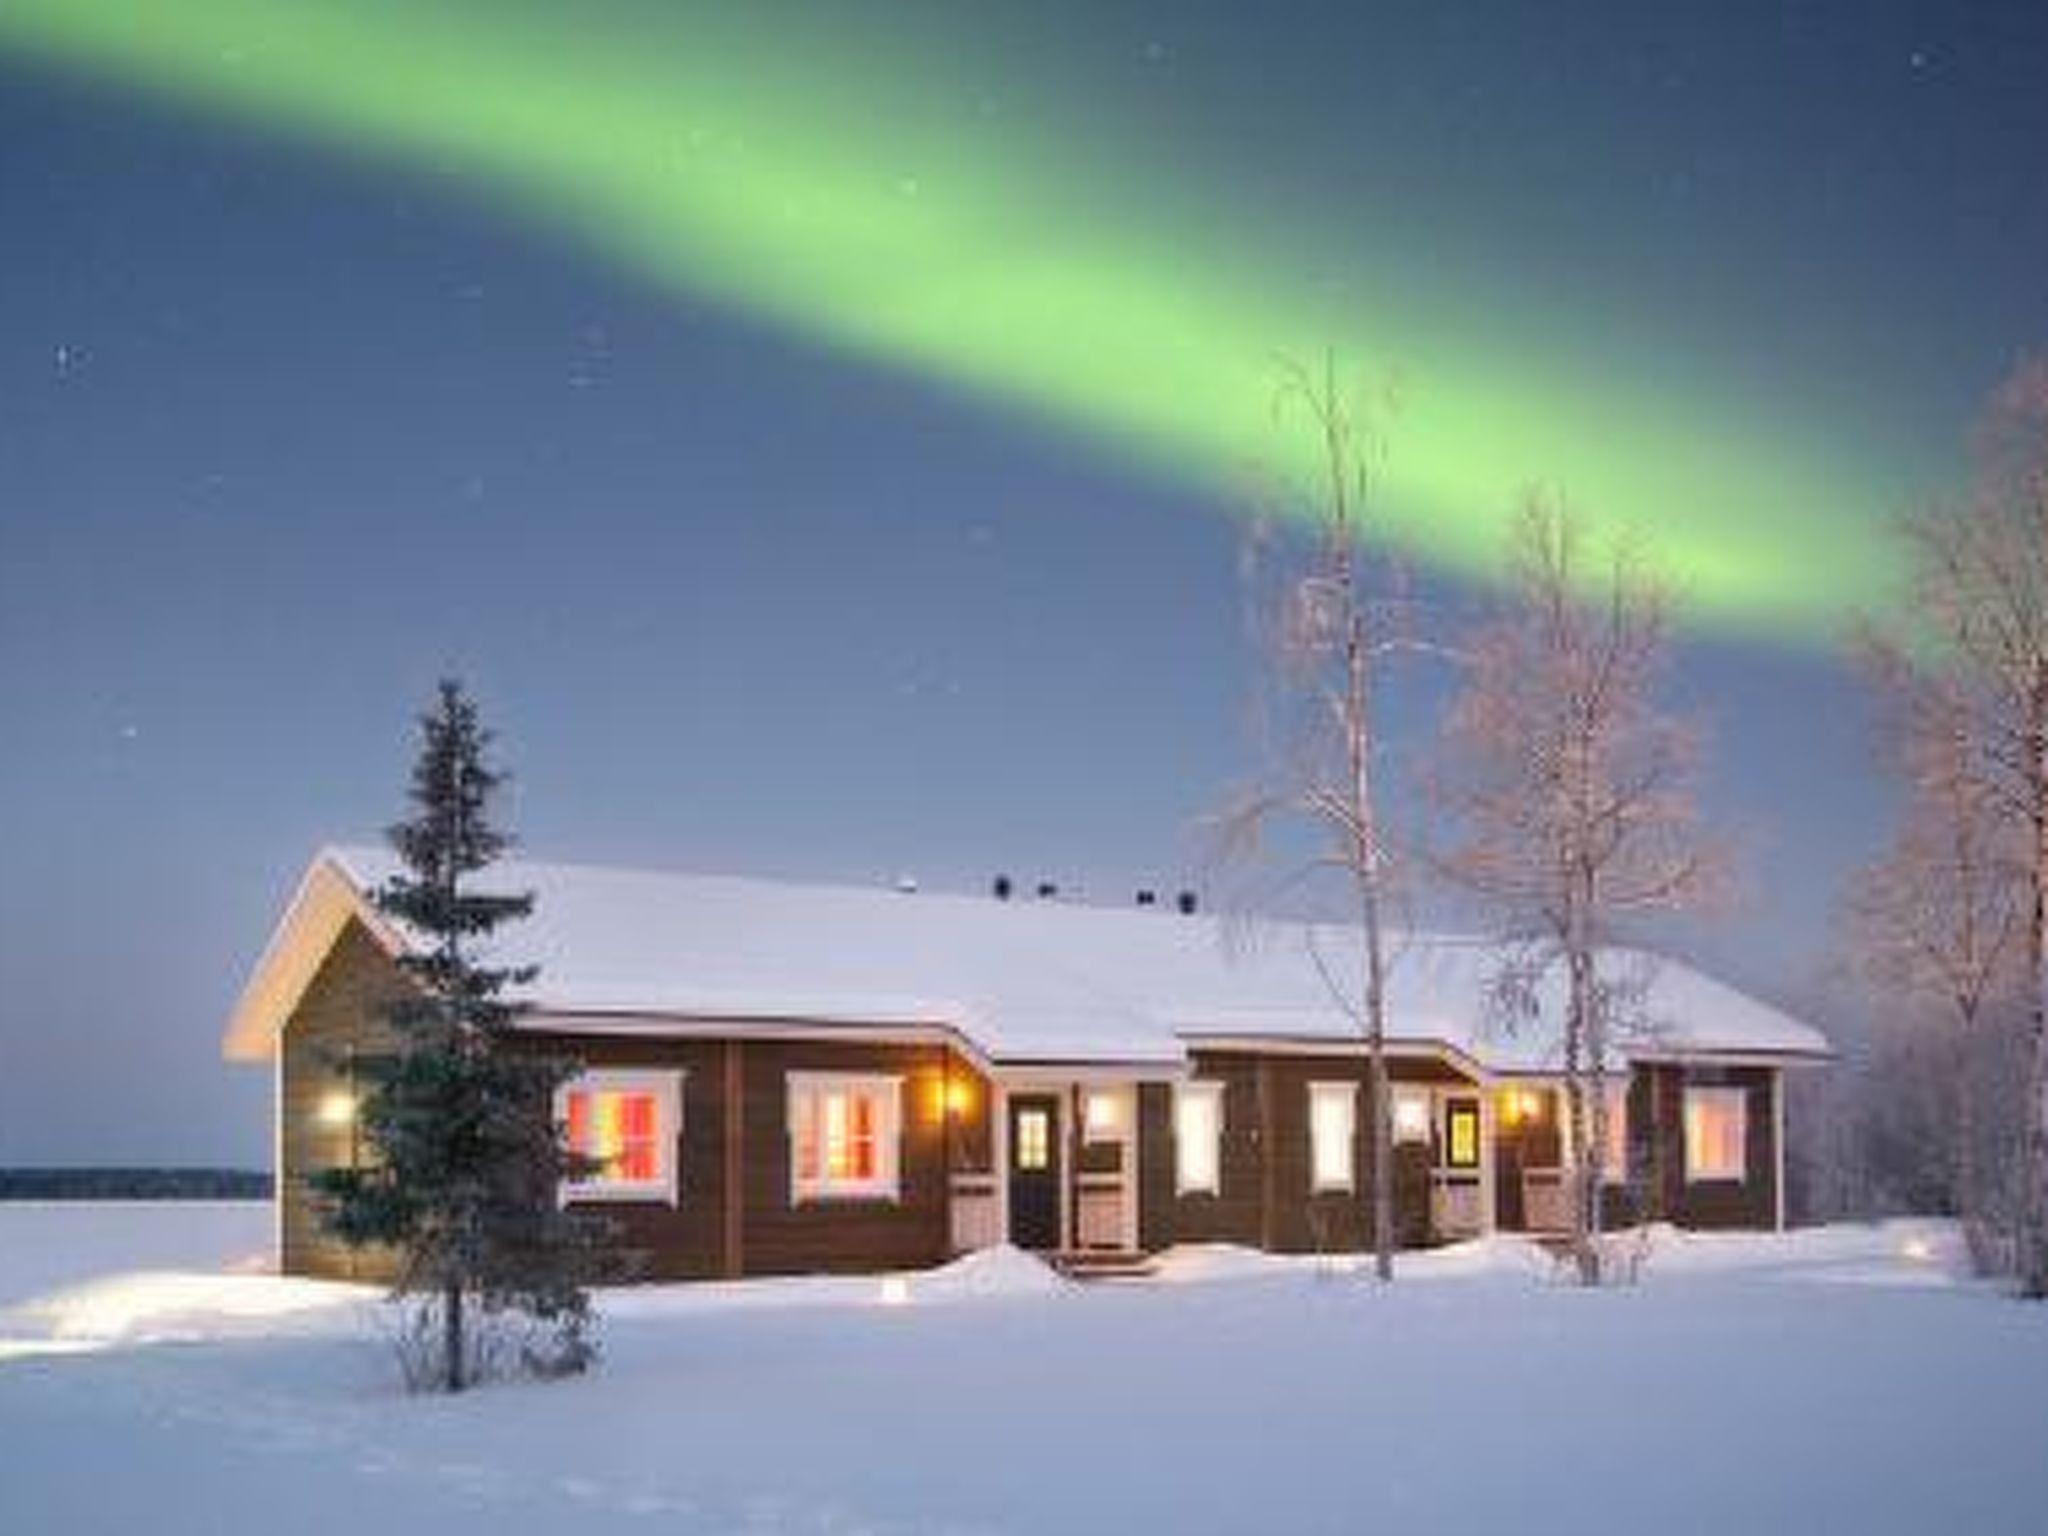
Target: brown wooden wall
x,y
734,1214
340,1014
1265,1199
1658,1189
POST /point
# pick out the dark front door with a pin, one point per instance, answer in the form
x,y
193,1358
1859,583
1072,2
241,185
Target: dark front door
x,y
1035,1170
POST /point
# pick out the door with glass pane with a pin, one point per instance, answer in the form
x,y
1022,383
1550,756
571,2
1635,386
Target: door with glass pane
x,y
1035,1170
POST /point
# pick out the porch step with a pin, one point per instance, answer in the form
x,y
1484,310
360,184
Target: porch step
x,y
1101,1263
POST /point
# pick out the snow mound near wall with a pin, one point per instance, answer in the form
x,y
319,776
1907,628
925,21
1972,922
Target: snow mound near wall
x,y
999,1271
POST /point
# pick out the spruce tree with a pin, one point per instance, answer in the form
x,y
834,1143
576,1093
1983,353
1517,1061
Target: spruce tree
x,y
465,1157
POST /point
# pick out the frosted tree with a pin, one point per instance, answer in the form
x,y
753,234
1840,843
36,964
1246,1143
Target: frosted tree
x,y
1938,925
1327,628
465,1156
1569,795
1978,635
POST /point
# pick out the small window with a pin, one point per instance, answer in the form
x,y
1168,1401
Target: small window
x,y
1461,1134
1716,1133
1411,1114
1198,1138
1034,1140
1332,1130
843,1132
629,1124
1102,1115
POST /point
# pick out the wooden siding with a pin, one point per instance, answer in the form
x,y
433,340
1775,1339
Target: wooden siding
x,y
340,1014
1264,1198
1657,1150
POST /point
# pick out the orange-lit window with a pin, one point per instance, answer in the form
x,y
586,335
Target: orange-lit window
x,y
1716,1133
843,1132
628,1123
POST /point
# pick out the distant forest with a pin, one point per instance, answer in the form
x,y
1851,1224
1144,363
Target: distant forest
x,y
133,1184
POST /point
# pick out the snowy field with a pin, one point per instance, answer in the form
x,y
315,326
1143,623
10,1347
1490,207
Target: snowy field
x,y
1842,1380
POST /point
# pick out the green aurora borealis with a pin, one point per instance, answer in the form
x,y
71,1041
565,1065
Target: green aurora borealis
x,y
863,204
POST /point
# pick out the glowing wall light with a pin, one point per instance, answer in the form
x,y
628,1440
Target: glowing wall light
x,y
337,1108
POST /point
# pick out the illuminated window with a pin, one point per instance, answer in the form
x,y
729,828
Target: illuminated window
x,y
1198,1138
1461,1124
843,1133
1102,1116
1411,1114
1034,1140
1332,1130
1614,1156
629,1123
1716,1133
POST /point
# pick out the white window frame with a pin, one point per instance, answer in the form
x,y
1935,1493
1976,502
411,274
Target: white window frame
x,y
886,1184
1184,1181
1738,1098
1333,1170
666,1084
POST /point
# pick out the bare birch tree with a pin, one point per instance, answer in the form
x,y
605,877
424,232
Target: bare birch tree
x,y
1327,633
1978,631
1938,924
1570,794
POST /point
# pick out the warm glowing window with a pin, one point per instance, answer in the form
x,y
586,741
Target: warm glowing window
x,y
1462,1125
628,1123
1332,1129
1102,1116
1034,1140
843,1133
1614,1154
1411,1114
1198,1138
1716,1133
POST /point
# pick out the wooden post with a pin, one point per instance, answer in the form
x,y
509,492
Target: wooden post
x,y
1269,1145
733,1249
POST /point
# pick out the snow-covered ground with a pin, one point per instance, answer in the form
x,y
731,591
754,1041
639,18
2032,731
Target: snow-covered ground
x,y
1840,1380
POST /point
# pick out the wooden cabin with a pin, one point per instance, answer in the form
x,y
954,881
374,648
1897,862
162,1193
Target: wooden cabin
x,y
787,1078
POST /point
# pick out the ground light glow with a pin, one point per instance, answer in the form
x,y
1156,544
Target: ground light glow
x,y
858,202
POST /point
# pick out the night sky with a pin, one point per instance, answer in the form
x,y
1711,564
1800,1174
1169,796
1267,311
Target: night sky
x,y
821,434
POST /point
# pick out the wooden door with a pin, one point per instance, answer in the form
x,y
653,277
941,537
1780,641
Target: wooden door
x,y
1035,1170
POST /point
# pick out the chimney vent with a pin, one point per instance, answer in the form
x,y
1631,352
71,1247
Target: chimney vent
x,y
1147,898
1000,887
1047,890
1186,902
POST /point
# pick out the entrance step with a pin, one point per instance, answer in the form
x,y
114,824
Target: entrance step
x,y
1102,1263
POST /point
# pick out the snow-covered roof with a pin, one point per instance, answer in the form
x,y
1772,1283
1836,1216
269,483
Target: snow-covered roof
x,y
1020,981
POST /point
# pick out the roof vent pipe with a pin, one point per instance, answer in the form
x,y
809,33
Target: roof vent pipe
x,y
1186,902
1000,887
1147,898
1047,890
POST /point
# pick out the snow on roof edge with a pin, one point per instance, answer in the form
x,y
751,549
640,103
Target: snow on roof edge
x,y
600,963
